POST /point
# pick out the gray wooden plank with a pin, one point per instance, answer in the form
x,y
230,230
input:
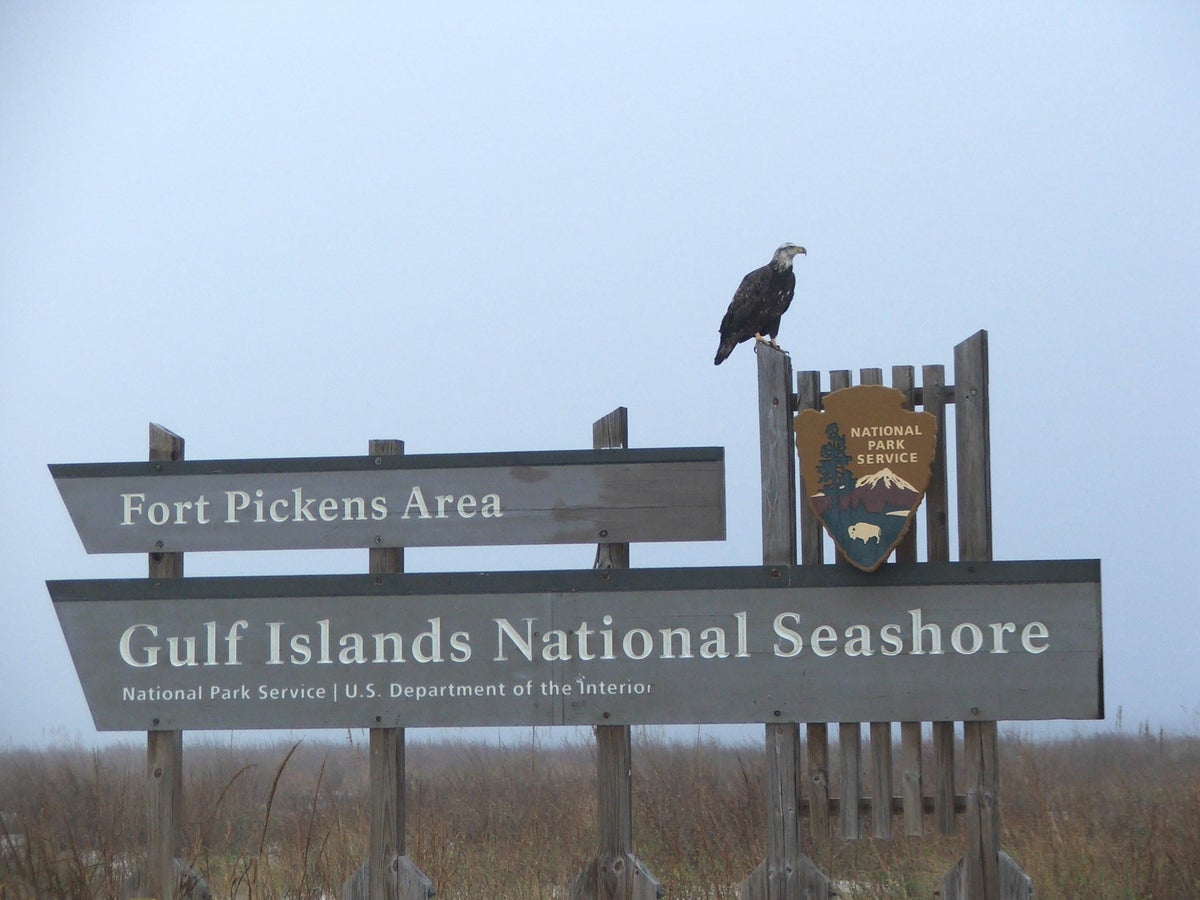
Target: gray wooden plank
x,y
583,497
728,647
850,775
881,779
912,778
817,745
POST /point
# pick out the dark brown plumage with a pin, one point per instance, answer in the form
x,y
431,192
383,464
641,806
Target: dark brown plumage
x,y
759,302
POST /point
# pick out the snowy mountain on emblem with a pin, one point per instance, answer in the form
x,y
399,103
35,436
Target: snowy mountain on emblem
x,y
887,478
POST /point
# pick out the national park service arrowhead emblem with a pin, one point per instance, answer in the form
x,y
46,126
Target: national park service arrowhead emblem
x,y
866,462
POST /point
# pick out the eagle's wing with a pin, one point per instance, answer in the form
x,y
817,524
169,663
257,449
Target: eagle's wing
x,y
746,307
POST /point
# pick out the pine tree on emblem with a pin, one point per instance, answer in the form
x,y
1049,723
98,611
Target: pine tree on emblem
x,y
833,471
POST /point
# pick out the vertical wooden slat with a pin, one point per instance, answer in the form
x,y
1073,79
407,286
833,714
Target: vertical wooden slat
x,y
812,535
812,553
980,740
973,449
164,749
943,778
937,514
817,743
849,733
880,732
911,765
912,782
870,376
850,755
937,549
902,380
881,779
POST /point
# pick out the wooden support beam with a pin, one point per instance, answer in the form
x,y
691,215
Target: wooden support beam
x,y
387,874
786,873
615,873
164,749
165,874
777,456
978,876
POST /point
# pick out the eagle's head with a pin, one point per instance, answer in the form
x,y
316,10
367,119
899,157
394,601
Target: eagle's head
x,y
782,259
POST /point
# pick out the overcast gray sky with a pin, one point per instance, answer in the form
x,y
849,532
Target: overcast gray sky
x,y
286,229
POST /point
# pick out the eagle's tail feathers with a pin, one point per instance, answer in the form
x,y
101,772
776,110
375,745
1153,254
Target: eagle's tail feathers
x,y
724,350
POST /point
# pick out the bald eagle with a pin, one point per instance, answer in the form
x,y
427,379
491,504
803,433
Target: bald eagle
x,y
759,302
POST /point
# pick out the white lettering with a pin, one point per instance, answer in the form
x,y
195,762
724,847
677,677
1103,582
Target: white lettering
x,y
1035,631
125,648
792,637
956,638
416,499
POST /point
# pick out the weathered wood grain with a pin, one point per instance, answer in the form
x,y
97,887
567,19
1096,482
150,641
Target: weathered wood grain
x,y
981,872
786,873
937,549
902,380
881,779
937,513
850,758
166,875
776,456
912,781
615,873
812,534
387,874
817,744
164,749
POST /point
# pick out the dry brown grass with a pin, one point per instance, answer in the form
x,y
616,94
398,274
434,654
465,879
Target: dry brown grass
x,y
1107,817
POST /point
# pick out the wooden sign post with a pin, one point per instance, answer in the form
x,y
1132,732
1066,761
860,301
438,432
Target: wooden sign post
x,y
166,874
615,873
786,873
388,874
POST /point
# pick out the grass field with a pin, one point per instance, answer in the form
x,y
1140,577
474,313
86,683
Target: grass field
x,y
1116,816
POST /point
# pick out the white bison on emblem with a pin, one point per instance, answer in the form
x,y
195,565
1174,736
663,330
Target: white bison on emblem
x,y
865,532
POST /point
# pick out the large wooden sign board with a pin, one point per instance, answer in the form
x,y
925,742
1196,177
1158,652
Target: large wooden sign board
x,y
980,641
540,497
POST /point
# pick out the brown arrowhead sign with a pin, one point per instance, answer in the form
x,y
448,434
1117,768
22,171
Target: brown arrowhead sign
x,y
866,463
